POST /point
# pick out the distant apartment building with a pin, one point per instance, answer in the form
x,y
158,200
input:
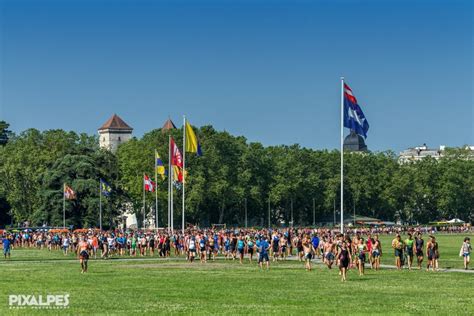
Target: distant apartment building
x,y
420,152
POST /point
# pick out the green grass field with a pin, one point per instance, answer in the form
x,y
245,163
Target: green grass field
x,y
174,286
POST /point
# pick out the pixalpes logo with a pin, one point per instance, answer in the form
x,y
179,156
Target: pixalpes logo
x,y
55,301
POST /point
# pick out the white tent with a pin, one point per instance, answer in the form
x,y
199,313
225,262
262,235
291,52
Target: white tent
x,y
456,220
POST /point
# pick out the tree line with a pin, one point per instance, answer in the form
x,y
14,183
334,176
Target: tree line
x,y
233,175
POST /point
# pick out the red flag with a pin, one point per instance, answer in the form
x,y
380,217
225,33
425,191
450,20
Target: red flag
x,y
149,185
176,158
69,193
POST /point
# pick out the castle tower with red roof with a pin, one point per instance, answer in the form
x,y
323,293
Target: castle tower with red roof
x,y
113,133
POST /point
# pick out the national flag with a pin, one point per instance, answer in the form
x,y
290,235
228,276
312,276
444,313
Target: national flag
x,y
177,174
192,142
69,193
159,166
148,184
176,158
105,188
354,118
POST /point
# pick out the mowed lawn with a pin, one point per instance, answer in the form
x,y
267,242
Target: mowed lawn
x,y
171,286
174,286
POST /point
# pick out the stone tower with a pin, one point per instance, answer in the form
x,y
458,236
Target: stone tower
x,y
113,133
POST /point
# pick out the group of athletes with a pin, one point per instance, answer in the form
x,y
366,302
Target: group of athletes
x,y
342,250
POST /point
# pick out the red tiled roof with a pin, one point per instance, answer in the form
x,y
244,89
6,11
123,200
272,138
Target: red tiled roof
x,y
115,122
168,125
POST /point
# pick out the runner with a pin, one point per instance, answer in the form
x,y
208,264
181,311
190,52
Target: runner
x,y
299,247
66,244
344,258
226,247
192,248
95,245
6,241
202,248
240,249
419,243
370,244
362,249
82,251
466,249
315,242
433,254
151,244
308,250
397,245
410,249
283,247
376,252
329,253
233,246
275,246
263,247
250,248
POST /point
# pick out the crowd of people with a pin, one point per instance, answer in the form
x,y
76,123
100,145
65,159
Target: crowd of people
x,y
353,249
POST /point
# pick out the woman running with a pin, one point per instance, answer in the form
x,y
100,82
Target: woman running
x,y
240,249
466,249
344,261
361,250
192,248
250,248
433,254
376,252
397,245
409,248
419,244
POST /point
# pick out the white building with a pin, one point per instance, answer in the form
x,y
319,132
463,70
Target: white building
x,y
113,133
420,152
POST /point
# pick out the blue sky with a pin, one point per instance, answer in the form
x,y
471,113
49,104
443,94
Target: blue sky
x,y
268,70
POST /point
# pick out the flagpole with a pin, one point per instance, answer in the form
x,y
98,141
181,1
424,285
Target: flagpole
x,y
184,168
169,181
169,177
100,206
156,192
342,155
143,202
64,205
172,204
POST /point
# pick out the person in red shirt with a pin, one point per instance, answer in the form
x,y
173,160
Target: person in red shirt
x,y
95,245
369,250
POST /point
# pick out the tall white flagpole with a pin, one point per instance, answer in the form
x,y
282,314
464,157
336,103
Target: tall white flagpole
x,y
64,205
100,206
169,182
172,204
184,168
342,155
144,202
156,193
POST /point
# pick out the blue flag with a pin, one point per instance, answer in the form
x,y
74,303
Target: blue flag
x,y
354,118
105,188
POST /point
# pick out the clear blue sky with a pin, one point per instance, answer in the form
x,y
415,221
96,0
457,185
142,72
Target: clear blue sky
x,y
268,70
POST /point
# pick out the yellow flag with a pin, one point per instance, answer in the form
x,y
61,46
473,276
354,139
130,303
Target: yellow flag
x,y
192,143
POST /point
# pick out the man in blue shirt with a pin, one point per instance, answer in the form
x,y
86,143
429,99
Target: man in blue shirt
x,y
263,247
6,246
315,242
